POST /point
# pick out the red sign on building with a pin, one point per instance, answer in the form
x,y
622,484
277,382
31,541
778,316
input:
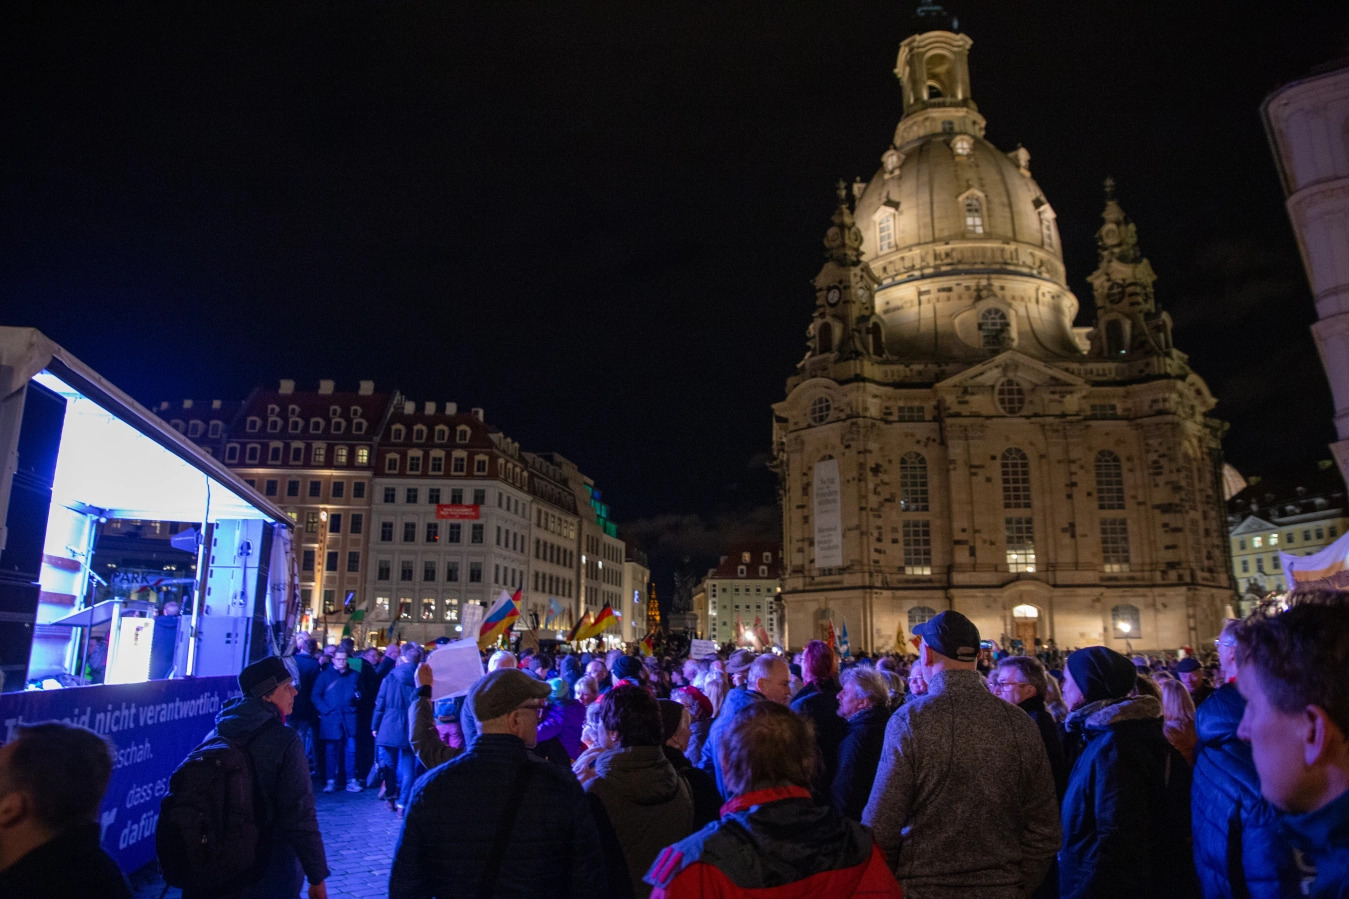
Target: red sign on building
x,y
456,512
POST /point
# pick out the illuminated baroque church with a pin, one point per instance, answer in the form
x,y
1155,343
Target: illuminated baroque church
x,y
952,441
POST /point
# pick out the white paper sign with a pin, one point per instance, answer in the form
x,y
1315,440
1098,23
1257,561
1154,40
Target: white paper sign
x,y
828,520
472,620
455,667
701,649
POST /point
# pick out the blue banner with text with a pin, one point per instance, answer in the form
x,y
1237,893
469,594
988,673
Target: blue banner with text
x,y
152,726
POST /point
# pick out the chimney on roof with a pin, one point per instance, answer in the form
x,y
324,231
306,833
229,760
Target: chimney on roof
x,y
477,413
429,407
451,408
287,386
366,388
409,407
215,404
187,404
325,386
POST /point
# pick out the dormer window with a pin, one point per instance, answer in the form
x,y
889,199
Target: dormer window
x,y
356,412
994,328
217,428
334,411
273,410
419,434
974,215
461,435
397,433
253,424
296,425
194,429
274,426
442,434
316,426
293,411
358,426
339,426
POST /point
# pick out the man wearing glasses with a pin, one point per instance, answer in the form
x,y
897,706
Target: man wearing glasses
x,y
499,801
1020,680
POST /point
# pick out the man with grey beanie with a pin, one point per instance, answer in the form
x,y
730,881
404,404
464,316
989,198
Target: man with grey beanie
x,y
963,803
498,801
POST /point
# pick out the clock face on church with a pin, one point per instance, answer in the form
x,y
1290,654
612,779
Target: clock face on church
x,y
832,297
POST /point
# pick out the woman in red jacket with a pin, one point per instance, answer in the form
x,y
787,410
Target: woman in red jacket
x,y
773,840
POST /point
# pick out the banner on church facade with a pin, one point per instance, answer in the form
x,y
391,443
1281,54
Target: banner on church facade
x,y
828,515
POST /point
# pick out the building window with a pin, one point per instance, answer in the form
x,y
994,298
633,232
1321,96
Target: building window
x,y
994,328
397,433
1245,566
409,531
382,606
428,571
442,434
329,602
292,487
307,560
1126,622
1011,396
252,454
358,490
1019,531
1114,544
340,455
419,434
357,522
820,407
232,453
456,533
433,495
353,562
414,463
269,487
428,609
457,465
437,463
318,454
1109,481
390,495
410,495
1274,538
335,523
273,426
452,572
1015,479
475,572
475,534
405,608
330,561
912,483
885,232
274,454
391,463
405,571
461,435
480,465
974,215
480,497
296,425
917,547
316,426
451,608
433,532
919,614
382,570
358,427
311,522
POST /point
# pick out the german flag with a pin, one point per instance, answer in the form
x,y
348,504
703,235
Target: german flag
x,y
605,619
578,630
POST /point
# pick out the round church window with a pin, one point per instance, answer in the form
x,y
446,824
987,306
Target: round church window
x,y
820,407
1011,396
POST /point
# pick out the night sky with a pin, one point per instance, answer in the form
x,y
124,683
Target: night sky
x,y
599,221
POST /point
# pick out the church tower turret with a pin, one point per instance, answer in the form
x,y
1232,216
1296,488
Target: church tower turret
x,y
1127,320
934,72
844,323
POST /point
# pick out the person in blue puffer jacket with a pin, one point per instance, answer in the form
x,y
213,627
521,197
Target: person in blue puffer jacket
x,y
390,728
1239,849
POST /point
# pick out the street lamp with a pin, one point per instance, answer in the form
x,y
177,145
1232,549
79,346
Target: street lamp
x,y
1124,628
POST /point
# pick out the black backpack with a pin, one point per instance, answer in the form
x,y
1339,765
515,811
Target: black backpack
x,y
208,833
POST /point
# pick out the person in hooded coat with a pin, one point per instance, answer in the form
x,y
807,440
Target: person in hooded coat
x,y
389,724
647,803
1126,812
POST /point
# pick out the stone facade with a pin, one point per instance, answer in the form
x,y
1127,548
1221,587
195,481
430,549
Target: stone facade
x,y
951,440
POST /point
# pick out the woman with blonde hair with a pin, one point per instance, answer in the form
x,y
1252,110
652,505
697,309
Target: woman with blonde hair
x,y
1178,714
715,687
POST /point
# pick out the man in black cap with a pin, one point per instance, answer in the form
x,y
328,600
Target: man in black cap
x,y
1126,814
290,846
963,802
495,801
1193,676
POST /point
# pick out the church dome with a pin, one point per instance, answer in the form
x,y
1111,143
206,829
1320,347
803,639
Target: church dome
x,y
966,201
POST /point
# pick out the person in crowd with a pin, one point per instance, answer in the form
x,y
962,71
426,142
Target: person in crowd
x,y
645,800
164,639
675,721
559,737
716,686
541,666
1022,681
1054,699
627,670
1291,672
587,690
591,733
737,667
1126,822
434,731
524,810
864,703
468,724
797,682
368,685
1146,686
302,642
1239,848
734,696
336,694
388,661
599,671
818,702
390,728
1178,718
767,681
917,680
690,671
1192,675
571,670
700,718
305,718
773,839
963,802
290,843
52,779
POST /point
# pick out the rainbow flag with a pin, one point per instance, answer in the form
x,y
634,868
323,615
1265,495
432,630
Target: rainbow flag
x,y
606,618
499,618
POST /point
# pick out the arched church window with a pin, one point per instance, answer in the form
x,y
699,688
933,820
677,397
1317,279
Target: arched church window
x,y
1126,622
993,328
1010,396
920,614
934,91
1109,481
974,215
820,407
885,232
1015,479
912,483
877,339
824,336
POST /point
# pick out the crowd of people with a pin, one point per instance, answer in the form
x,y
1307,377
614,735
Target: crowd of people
x,y
949,772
